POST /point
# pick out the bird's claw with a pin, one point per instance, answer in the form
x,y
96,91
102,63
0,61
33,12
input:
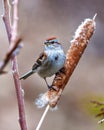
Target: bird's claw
x,y
51,87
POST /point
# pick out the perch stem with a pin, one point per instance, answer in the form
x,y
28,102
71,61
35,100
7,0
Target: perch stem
x,y
12,38
42,118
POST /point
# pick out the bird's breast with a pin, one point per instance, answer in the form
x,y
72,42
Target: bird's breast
x,y
55,61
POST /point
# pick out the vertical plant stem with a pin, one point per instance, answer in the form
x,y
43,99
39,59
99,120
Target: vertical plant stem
x,y
20,99
12,38
6,18
43,117
17,82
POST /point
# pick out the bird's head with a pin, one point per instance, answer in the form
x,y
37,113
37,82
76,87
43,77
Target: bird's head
x,y
52,43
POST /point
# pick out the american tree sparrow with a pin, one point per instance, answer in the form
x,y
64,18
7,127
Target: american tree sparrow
x,y
50,61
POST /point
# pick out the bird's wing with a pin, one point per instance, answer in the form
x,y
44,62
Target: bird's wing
x,y
40,60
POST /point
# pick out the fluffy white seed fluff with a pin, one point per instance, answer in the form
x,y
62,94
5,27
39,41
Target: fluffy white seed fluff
x,y
41,101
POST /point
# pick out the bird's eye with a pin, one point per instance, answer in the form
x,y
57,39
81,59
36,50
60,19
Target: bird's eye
x,y
52,42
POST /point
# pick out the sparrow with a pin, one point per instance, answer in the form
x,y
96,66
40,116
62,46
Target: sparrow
x,y
50,61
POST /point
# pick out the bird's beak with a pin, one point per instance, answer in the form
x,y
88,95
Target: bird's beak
x,y
46,43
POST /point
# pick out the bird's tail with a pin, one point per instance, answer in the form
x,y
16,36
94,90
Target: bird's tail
x,y
26,75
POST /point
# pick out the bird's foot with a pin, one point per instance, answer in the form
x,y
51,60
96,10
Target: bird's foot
x,y
51,87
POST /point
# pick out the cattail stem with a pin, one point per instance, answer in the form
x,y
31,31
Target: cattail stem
x,y
43,117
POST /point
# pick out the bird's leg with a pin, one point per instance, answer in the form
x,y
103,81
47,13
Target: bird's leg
x,y
47,83
49,86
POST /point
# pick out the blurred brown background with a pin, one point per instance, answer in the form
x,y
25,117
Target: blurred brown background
x,y
38,20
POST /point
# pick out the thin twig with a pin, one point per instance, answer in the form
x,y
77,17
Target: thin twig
x,y
12,37
20,98
43,117
9,54
95,16
6,18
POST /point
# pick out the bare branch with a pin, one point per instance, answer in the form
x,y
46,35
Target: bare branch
x,y
14,41
6,18
9,54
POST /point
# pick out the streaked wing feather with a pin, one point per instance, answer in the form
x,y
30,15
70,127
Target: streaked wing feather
x,y
40,60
